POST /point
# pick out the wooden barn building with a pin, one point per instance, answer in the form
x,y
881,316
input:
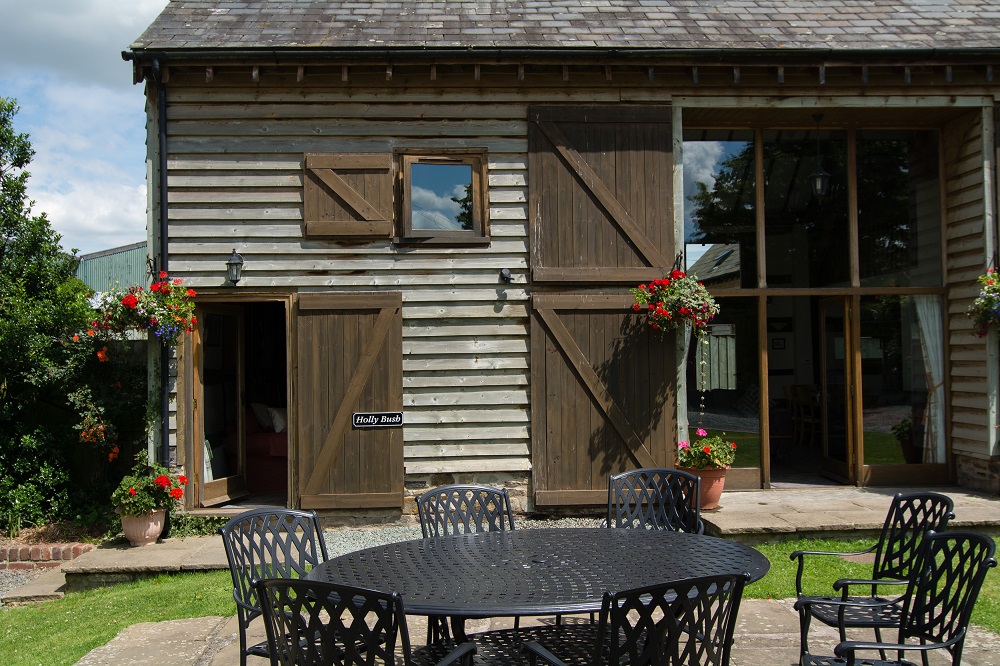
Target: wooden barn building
x,y
441,207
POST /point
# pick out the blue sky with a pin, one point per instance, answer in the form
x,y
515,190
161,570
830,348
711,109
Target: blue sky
x,y
61,60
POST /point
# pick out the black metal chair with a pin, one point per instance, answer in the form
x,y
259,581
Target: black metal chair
x,y
268,543
686,622
458,509
316,623
910,516
936,606
655,499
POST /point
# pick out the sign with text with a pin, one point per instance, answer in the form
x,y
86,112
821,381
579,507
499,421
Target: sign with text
x,y
377,419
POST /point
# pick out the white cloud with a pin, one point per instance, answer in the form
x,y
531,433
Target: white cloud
x,y
61,61
433,210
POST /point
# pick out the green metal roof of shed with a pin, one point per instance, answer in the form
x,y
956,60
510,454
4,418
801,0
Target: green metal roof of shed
x,y
117,268
470,25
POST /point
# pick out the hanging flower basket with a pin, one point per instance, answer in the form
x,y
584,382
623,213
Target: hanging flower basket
x,y
165,309
985,310
674,301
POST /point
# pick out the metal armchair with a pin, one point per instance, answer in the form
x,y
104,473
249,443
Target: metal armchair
x,y
317,623
910,517
656,499
458,509
268,543
936,606
672,624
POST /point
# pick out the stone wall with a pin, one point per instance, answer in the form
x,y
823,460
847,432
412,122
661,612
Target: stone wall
x,y
978,473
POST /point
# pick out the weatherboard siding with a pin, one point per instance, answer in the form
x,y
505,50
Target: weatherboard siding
x,y
965,259
235,180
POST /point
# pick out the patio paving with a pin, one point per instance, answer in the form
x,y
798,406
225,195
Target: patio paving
x,y
767,631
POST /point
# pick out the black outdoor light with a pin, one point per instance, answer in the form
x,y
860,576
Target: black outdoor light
x,y
234,267
819,179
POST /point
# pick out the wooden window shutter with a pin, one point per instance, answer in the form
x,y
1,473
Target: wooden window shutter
x,y
348,195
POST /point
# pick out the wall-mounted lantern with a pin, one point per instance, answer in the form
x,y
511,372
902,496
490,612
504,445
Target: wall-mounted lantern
x,y
234,267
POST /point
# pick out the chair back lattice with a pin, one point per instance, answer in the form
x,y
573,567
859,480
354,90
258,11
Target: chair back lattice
x,y
312,622
672,624
940,597
457,509
270,543
657,499
910,516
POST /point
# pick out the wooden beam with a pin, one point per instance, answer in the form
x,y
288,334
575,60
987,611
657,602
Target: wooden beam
x,y
434,72
607,72
300,74
736,75
864,74
520,72
209,74
255,74
343,74
565,72
781,74
649,73
694,74
477,72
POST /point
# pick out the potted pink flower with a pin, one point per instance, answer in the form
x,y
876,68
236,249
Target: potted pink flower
x,y
707,458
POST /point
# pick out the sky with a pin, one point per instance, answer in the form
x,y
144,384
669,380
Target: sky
x,y
61,61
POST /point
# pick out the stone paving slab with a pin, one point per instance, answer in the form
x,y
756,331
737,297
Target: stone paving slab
x,y
767,633
49,586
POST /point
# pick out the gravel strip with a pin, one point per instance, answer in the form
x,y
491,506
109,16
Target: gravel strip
x,y
346,540
11,579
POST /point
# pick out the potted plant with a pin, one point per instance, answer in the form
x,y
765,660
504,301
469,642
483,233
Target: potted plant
x,y
904,433
674,301
708,458
985,309
143,498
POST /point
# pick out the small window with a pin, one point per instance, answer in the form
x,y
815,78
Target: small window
x,y
444,198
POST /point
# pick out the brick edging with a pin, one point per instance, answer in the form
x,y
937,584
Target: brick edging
x,y
41,556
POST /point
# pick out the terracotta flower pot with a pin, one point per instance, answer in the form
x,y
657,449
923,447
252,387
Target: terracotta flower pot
x,y
143,530
713,479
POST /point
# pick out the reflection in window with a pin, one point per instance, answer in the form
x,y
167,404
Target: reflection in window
x,y
719,213
722,371
807,238
899,213
902,384
444,197
441,197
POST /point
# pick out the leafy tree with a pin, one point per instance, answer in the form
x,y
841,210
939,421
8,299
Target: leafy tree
x,y
48,380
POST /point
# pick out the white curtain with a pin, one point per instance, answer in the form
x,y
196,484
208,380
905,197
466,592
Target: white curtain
x,y
932,345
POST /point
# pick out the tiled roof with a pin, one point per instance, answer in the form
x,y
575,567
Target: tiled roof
x,y
583,24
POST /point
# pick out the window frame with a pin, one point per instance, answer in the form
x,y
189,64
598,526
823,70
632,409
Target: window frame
x,y
476,158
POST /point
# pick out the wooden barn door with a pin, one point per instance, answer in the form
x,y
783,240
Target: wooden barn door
x,y
349,355
602,387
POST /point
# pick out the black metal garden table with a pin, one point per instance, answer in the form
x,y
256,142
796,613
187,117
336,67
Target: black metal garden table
x,y
534,571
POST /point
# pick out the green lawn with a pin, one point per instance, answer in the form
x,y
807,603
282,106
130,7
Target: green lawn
x,y
61,632
881,448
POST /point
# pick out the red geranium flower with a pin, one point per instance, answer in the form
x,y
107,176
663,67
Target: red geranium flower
x,y
182,479
191,293
131,491
163,275
707,449
130,301
176,493
162,481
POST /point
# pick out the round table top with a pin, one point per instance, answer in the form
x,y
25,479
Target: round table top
x,y
534,571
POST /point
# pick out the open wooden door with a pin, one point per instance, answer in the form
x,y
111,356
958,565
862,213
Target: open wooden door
x,y
220,461
350,360
603,389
